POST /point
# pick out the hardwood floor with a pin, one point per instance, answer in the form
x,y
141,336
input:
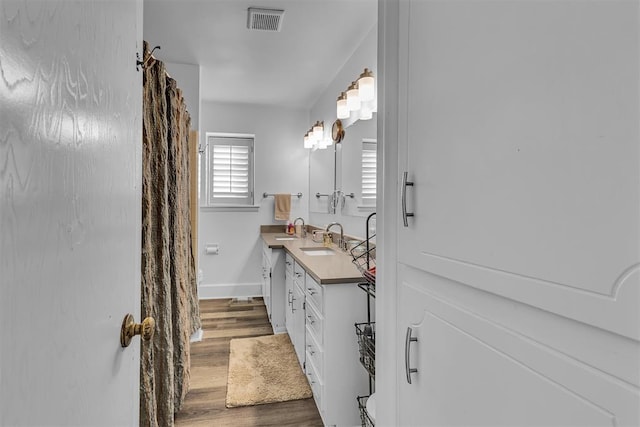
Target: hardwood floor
x,y
223,320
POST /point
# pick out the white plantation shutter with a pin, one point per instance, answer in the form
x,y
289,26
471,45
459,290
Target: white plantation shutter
x,y
230,170
369,162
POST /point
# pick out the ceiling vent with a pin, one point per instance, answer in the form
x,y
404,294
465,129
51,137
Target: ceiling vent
x,y
264,19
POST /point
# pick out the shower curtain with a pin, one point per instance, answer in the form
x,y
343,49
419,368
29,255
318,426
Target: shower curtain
x,y
169,291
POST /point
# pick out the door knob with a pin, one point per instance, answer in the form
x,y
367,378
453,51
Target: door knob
x,y
130,329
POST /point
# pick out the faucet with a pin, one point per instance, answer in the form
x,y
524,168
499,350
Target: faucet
x,y
304,230
341,242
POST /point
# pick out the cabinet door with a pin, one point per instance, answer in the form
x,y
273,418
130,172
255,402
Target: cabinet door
x,y
298,338
288,308
266,283
522,146
481,360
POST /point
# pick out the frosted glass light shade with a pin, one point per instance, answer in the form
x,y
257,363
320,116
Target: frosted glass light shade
x,y
308,142
366,86
318,131
342,111
366,112
353,97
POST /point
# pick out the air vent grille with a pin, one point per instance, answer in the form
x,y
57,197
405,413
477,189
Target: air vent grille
x,y
264,19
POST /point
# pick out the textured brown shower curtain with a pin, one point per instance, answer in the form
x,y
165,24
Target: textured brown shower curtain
x,y
169,291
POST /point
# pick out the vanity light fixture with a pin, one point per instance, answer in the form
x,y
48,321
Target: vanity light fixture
x,y
318,131
366,86
353,97
308,141
358,102
315,139
342,111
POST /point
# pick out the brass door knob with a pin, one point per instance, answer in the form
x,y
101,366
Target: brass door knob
x,y
130,329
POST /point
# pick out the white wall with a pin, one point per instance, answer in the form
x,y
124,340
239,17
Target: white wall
x,y
188,78
365,56
281,166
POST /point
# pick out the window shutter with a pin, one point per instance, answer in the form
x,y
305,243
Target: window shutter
x,y
230,170
369,162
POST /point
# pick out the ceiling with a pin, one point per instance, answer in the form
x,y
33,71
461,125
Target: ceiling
x,y
289,68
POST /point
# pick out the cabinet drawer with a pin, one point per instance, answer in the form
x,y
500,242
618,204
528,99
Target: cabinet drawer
x,y
314,293
315,353
315,323
298,275
316,385
297,269
288,263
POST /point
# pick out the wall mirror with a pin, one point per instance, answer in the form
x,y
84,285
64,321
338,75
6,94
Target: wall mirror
x,y
322,179
356,167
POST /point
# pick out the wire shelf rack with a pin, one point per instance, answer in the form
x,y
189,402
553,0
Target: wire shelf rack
x,y
365,419
366,333
364,257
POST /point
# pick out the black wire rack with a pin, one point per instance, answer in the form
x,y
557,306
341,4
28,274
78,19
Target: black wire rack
x,y
366,333
365,419
364,258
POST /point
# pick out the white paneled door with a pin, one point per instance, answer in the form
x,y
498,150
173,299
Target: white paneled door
x,y
70,211
519,270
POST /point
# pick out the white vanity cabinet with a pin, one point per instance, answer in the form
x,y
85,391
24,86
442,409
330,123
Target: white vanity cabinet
x,y
332,363
273,286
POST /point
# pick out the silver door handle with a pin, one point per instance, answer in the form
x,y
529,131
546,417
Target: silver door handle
x,y
407,343
289,301
405,184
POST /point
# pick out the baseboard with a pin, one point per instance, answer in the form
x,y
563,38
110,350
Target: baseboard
x,y
236,290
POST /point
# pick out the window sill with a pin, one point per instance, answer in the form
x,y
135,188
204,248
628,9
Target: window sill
x,y
230,208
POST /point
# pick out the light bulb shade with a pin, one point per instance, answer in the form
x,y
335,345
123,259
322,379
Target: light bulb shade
x,y
366,112
308,142
342,111
353,97
366,86
318,131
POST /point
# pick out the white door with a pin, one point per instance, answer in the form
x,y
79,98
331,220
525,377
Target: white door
x,y
519,271
70,211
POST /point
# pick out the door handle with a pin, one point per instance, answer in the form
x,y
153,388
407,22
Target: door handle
x,y
407,363
405,184
130,329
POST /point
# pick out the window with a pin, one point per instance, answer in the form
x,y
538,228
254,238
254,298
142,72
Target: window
x,y
229,169
369,162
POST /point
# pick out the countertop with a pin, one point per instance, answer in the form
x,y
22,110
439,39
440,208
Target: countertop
x,y
326,270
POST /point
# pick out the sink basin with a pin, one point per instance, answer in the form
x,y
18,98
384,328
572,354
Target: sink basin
x,y
285,237
318,251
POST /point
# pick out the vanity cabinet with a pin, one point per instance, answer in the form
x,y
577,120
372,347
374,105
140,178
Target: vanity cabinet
x,y
332,364
273,286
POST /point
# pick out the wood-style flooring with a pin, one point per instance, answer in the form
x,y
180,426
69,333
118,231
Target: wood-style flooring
x,y
223,320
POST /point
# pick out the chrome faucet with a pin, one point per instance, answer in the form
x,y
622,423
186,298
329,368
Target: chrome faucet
x,y
304,230
341,242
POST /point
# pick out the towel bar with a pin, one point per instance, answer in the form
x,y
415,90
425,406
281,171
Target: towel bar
x,y
265,195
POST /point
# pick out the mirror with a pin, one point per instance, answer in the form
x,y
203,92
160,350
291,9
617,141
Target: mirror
x,y
321,179
355,152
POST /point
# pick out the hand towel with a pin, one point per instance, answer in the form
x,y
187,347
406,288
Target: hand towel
x,y
282,206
